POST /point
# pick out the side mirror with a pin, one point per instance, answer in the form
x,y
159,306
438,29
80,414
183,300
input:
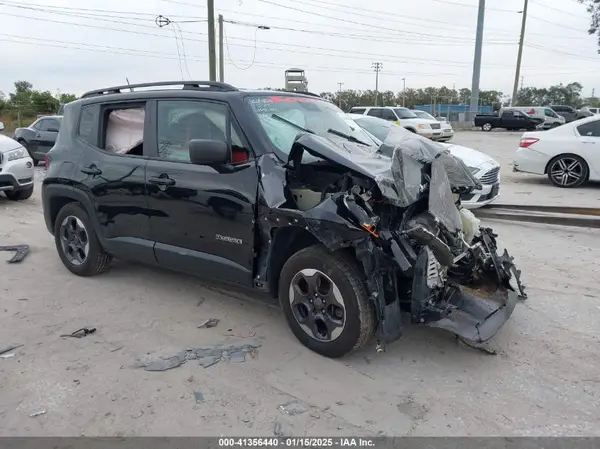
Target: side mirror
x,y
208,152
1,126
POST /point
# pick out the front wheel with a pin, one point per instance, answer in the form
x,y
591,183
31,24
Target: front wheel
x,y
77,244
325,301
567,171
487,127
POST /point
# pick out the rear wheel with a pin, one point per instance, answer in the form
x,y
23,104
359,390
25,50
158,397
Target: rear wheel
x,y
567,171
19,195
77,243
325,301
555,125
487,127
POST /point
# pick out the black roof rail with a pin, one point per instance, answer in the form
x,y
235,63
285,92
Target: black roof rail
x,y
200,85
312,94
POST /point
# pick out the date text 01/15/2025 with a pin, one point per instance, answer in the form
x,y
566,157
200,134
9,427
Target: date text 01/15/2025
x,y
296,442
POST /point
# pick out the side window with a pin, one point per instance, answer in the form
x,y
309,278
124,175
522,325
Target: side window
x,y
88,121
358,110
549,113
122,129
591,129
388,114
52,125
374,112
39,125
507,114
181,121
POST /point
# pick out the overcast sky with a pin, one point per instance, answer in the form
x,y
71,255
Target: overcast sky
x,y
69,46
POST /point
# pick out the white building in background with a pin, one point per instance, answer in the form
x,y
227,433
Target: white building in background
x,y
295,80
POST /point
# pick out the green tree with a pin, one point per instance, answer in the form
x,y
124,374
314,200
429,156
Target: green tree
x,y
593,7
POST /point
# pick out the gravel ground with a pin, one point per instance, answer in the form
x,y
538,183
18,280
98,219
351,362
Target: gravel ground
x,y
543,381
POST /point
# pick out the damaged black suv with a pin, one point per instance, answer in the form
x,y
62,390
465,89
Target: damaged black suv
x,y
277,191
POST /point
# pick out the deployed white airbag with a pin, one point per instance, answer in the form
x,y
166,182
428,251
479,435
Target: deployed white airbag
x,y
125,130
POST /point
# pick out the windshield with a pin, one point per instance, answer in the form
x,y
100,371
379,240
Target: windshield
x,y
284,117
404,113
423,114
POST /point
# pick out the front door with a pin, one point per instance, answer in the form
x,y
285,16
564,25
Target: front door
x,y
203,220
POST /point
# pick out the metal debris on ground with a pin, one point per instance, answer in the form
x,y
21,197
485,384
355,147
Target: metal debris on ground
x,y
38,413
293,408
211,322
19,250
207,356
483,349
7,356
8,348
199,397
80,333
277,429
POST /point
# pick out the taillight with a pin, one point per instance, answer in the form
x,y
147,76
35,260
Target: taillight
x,y
526,142
47,161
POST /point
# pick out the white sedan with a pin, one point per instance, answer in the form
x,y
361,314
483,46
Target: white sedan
x,y
569,154
483,167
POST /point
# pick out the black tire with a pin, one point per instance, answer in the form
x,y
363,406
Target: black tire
x,y
348,277
554,125
581,170
19,195
24,144
487,127
97,260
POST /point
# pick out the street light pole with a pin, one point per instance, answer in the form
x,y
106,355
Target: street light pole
x,y
513,100
212,53
404,93
221,52
377,66
340,84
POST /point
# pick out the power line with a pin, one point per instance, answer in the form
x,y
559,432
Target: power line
x,y
446,2
562,11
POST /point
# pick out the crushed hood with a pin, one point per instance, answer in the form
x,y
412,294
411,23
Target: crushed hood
x,y
400,178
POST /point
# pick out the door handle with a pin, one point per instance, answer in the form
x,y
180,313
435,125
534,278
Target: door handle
x,y
91,170
162,180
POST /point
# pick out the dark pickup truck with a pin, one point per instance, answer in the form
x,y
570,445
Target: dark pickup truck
x,y
510,120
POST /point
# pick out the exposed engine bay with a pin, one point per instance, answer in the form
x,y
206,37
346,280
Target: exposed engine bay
x,y
421,252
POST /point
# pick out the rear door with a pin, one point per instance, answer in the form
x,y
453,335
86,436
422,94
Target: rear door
x,y
388,114
589,144
111,171
375,112
203,219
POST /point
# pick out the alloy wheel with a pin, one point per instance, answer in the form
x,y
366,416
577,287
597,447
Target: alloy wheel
x,y
74,240
317,305
487,127
566,171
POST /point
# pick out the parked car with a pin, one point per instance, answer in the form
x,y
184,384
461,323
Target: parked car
x,y
510,120
482,166
404,117
594,111
16,169
39,137
221,191
447,131
569,113
569,155
550,119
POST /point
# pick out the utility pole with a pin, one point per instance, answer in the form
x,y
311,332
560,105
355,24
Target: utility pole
x,y
221,53
522,81
477,61
212,54
513,100
340,84
404,92
377,66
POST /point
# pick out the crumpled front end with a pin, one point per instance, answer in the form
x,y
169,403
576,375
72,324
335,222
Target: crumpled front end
x,y
422,254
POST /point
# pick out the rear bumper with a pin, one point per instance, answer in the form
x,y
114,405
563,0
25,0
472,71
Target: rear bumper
x,y
528,160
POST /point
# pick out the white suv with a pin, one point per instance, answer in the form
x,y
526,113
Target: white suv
x,y
404,117
16,169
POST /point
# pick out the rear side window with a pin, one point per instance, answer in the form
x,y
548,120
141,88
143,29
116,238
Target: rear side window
x,y
88,124
591,129
358,110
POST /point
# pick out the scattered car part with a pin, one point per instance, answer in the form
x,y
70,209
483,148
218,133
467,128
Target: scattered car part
x,y
211,322
293,408
9,348
37,413
584,217
80,333
20,252
198,397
